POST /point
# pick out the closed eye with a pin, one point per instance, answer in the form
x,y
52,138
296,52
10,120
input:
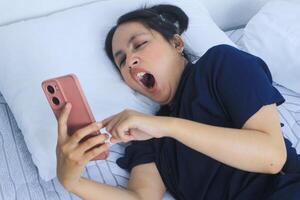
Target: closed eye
x,y
122,61
139,45
136,47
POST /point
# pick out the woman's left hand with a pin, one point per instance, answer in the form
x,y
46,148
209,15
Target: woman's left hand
x,y
132,125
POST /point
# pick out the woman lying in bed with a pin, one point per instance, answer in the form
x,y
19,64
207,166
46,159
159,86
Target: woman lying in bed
x,y
216,136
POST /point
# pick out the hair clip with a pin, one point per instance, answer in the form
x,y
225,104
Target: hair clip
x,y
162,18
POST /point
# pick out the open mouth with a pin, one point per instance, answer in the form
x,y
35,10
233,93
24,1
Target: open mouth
x,y
146,79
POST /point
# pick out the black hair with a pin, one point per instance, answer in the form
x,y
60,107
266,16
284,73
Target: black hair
x,y
163,18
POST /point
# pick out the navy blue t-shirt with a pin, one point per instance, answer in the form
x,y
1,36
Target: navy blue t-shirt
x,y
225,87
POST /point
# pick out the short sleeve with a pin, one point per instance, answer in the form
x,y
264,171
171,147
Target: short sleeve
x,y
138,152
243,83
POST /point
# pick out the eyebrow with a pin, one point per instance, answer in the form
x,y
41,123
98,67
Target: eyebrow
x,y
118,53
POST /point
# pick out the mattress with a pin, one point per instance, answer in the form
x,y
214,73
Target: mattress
x,y
19,177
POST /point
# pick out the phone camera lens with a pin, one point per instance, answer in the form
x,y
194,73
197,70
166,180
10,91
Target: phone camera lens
x,y
50,89
55,100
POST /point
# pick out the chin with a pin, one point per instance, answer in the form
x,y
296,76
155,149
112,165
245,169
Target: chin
x,y
160,96
162,100
165,97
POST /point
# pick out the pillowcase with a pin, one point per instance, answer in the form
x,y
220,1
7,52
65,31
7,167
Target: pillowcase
x,y
274,35
232,14
20,10
72,41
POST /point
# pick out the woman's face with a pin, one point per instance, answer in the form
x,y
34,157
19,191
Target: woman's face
x,y
148,63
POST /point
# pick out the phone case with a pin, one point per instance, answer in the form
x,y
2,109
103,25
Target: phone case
x,y
64,89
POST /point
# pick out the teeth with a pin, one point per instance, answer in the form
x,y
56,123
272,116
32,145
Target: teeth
x,y
140,75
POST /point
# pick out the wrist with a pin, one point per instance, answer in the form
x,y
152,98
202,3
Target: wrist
x,y
171,127
71,187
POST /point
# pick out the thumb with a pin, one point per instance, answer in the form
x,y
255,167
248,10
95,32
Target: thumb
x,y
62,121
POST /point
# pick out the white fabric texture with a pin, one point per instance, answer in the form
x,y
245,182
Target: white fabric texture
x,y
72,41
230,14
227,14
274,35
22,10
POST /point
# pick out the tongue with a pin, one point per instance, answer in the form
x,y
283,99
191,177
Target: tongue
x,y
148,80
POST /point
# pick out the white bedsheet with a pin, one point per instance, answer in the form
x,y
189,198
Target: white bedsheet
x,y
19,177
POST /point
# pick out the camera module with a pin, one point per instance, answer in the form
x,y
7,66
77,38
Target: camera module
x,y
55,100
50,89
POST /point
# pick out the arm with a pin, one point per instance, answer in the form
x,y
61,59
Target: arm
x,y
72,156
144,183
257,147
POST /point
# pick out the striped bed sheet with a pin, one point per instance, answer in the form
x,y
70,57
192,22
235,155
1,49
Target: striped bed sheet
x,y
19,179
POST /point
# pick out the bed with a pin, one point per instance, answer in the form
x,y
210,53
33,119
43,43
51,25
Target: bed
x,y
19,178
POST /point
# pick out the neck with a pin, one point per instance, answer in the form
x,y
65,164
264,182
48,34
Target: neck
x,y
183,65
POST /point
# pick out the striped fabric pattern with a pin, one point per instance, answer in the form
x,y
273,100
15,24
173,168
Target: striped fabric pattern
x,y
19,179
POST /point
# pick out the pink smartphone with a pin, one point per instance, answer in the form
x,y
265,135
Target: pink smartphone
x,y
64,89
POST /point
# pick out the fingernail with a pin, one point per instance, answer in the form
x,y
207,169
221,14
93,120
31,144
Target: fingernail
x,y
99,124
112,140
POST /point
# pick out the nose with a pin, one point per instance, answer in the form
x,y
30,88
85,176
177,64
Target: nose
x,y
134,61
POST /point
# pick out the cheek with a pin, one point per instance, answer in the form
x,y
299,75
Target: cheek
x,y
128,80
162,55
156,51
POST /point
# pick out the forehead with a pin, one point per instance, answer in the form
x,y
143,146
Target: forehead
x,y
127,30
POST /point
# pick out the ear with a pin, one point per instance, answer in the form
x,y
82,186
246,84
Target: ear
x,y
178,43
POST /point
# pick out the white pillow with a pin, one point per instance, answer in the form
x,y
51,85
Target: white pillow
x,y
232,14
228,14
274,35
20,10
72,41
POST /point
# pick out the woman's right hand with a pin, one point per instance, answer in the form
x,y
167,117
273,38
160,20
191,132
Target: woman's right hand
x,y
72,156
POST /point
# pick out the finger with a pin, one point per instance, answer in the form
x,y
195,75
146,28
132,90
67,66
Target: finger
x,y
122,131
90,143
114,134
95,152
107,120
125,137
81,133
114,140
112,124
62,121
